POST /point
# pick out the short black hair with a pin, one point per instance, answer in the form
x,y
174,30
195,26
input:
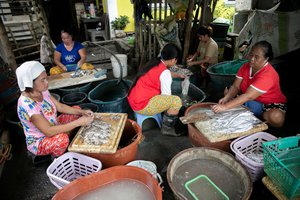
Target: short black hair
x,y
169,52
205,30
266,47
67,30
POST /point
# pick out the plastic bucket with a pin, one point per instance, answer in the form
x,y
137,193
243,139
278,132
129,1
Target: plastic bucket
x,y
127,149
194,94
116,67
112,175
9,92
110,96
220,167
219,30
14,126
75,88
223,74
89,106
75,98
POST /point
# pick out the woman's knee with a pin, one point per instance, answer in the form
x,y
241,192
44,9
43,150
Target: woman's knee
x,y
176,103
64,138
275,117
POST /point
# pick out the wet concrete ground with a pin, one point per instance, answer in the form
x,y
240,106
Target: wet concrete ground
x,y
22,180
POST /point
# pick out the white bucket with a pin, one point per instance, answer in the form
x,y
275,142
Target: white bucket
x,y
116,67
148,166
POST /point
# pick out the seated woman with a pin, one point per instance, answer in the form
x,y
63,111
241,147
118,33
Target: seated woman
x,y
150,92
68,55
37,109
206,55
257,82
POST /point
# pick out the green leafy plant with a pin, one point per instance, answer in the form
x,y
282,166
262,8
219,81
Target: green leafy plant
x,y
120,22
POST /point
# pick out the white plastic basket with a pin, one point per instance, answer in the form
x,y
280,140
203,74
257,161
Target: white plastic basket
x,y
71,166
245,146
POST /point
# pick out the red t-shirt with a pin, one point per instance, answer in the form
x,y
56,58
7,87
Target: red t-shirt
x,y
146,87
266,80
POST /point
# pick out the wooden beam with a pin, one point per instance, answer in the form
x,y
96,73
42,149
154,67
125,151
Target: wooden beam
x,y
8,53
187,30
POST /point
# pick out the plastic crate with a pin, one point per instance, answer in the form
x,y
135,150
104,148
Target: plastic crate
x,y
282,164
249,147
71,166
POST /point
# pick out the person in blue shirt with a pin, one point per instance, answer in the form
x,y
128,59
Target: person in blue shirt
x,y
69,54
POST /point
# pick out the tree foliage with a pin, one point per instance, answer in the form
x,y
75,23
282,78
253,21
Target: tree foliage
x,y
223,11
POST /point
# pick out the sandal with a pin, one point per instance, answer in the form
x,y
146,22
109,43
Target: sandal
x,y
5,153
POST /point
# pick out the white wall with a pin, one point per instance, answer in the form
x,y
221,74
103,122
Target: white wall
x,y
112,11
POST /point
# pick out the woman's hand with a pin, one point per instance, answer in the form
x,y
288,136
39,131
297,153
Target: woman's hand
x,y
88,113
64,68
224,100
191,63
189,58
85,120
80,63
218,108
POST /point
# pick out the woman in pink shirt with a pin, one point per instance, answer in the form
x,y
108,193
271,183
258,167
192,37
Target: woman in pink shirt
x,y
45,132
258,84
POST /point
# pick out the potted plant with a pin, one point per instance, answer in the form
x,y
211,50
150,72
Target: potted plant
x,y
119,25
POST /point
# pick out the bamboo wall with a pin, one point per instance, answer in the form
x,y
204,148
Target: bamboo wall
x,y
146,43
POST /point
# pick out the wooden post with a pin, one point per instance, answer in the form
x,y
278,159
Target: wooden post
x,y
9,56
187,30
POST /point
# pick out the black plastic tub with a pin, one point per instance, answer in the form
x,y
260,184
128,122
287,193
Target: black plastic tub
x,y
111,96
89,106
75,98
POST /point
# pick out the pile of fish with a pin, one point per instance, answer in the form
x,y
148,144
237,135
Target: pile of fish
x,y
232,121
80,73
255,156
97,133
180,70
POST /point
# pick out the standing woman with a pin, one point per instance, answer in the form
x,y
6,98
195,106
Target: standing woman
x,y
37,109
150,92
258,84
206,54
68,53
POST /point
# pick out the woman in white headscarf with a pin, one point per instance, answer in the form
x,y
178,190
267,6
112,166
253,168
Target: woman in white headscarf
x,y
37,109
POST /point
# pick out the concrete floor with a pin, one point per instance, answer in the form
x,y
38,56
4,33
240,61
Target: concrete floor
x,y
22,180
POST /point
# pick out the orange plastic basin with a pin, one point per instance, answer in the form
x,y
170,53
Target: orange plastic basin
x,y
197,138
94,181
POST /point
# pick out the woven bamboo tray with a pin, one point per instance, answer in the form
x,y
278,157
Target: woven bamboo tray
x,y
117,121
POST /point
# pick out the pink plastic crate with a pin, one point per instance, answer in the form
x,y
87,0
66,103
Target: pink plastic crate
x,y
249,151
71,166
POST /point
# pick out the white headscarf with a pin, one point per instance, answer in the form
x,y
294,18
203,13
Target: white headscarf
x,y
27,72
